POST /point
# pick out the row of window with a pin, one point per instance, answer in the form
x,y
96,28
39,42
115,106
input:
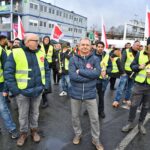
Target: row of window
x,y
50,25
56,12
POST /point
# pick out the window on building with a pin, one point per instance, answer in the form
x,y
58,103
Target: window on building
x,y
41,23
60,13
44,24
31,23
41,7
66,15
53,11
31,5
35,24
49,10
45,9
57,12
35,7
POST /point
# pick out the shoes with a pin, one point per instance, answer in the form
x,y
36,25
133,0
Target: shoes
x,y
128,102
76,139
128,127
115,104
35,136
22,138
142,129
44,105
63,93
14,134
98,145
102,114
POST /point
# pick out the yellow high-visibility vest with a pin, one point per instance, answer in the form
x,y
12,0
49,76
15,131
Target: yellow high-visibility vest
x,y
114,65
49,53
129,60
1,70
22,68
142,75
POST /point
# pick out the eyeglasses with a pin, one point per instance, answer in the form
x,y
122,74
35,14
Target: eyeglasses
x,y
34,40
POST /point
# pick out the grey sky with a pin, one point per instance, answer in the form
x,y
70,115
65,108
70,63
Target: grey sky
x,y
114,12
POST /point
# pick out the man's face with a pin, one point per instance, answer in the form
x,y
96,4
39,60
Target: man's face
x,y
4,42
136,46
46,41
16,43
100,48
32,42
85,46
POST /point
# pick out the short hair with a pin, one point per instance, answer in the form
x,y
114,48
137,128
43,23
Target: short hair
x,y
2,37
100,42
86,38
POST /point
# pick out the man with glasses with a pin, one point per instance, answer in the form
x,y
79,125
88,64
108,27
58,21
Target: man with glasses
x,y
27,75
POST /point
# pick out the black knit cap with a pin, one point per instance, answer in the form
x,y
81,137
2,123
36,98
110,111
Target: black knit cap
x,y
148,41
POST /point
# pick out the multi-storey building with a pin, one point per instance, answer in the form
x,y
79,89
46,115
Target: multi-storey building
x,y
39,17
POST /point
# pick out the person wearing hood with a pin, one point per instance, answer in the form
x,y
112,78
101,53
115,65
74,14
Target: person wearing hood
x,y
47,48
141,89
84,69
27,74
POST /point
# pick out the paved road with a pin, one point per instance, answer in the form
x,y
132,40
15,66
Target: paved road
x,y
57,133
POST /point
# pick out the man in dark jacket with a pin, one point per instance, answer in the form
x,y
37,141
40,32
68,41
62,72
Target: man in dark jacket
x,y
84,69
103,79
27,75
141,89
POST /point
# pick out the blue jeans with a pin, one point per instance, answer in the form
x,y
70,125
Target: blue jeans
x,y
64,83
5,114
126,84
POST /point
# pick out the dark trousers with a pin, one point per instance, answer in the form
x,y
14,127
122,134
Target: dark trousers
x,y
140,95
56,76
112,82
100,93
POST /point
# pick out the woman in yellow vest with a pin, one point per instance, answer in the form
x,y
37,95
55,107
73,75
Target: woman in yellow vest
x,y
141,89
47,48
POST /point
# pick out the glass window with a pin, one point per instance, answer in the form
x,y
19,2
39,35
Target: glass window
x,y
41,23
31,5
31,23
35,6
49,10
53,11
44,24
57,13
45,9
41,8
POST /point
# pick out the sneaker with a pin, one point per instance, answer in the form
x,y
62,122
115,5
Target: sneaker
x,y
63,93
97,145
76,139
128,102
14,134
142,129
128,127
115,104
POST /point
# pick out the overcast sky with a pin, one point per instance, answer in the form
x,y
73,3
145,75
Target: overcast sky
x,y
114,12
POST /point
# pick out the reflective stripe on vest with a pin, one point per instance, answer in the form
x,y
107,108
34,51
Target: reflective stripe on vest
x,y
1,70
142,75
22,69
49,53
129,60
114,65
104,64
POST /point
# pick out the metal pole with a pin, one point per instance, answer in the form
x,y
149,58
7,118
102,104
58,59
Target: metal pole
x,y
11,19
125,32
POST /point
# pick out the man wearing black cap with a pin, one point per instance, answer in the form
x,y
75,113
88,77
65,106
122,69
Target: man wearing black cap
x,y
141,89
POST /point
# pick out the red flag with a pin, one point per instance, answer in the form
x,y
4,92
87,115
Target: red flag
x,y
103,37
15,28
147,23
21,30
96,36
56,33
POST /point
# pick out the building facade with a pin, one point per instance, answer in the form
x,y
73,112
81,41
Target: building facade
x,y
39,17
